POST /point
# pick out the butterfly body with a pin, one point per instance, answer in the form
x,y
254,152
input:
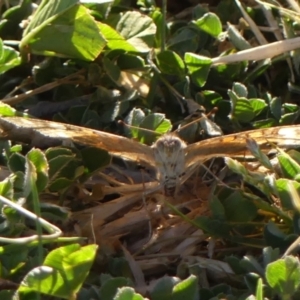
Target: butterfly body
x,y
169,157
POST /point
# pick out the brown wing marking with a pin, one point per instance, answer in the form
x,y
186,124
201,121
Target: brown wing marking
x,y
235,144
42,133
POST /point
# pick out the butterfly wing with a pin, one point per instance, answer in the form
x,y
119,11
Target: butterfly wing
x,y
42,133
235,144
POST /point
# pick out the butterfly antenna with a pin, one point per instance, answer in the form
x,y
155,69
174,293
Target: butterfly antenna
x,y
208,171
203,116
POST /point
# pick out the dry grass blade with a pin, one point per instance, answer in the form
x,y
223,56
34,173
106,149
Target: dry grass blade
x,y
70,79
261,52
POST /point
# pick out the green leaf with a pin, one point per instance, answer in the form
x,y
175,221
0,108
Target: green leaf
x,y
54,212
250,264
185,40
38,158
217,209
30,178
127,293
114,39
112,70
59,184
258,154
270,255
110,287
289,167
259,290
6,188
63,272
134,118
275,107
267,123
243,111
56,151
156,122
130,61
16,162
288,119
275,238
163,288
6,110
257,105
186,289
216,228
158,19
95,159
63,28
170,63
138,29
9,58
282,186
236,38
210,23
283,276
239,208
240,90
57,164
198,67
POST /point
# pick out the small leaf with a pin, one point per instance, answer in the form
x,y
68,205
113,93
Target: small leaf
x,y
184,40
250,264
289,167
258,154
258,105
138,29
9,58
240,90
170,63
239,209
63,273
127,293
111,69
6,188
282,186
163,288
95,159
59,184
210,23
38,158
16,162
6,110
283,276
275,107
186,289
114,39
110,287
63,29
198,67
259,290
243,111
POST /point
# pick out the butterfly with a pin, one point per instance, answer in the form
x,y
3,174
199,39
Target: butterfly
x,y
169,155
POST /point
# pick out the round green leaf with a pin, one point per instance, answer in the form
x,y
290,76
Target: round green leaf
x,y
170,63
210,23
198,67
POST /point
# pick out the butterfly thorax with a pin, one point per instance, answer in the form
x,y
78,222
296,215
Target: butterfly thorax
x,y
170,159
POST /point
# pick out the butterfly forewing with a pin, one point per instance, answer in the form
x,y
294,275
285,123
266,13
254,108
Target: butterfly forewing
x,y
42,133
235,144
